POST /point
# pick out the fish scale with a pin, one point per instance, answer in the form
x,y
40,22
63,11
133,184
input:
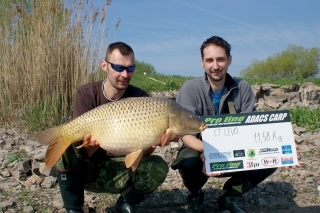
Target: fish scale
x,y
126,138
126,127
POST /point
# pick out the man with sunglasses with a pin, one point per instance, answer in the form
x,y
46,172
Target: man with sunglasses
x,y
93,169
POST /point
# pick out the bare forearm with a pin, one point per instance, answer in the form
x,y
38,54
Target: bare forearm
x,y
192,142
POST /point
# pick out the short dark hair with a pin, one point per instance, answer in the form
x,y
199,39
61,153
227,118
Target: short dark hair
x,y
124,48
218,41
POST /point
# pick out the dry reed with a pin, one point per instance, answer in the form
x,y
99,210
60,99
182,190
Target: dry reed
x,y
47,52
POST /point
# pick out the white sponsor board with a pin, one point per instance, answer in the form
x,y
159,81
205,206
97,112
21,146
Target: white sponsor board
x,y
259,140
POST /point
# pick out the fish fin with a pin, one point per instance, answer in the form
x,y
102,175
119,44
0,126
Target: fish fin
x,y
202,127
45,137
55,151
133,159
84,144
165,137
56,144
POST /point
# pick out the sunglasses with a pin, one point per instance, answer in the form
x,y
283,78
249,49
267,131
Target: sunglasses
x,y
120,68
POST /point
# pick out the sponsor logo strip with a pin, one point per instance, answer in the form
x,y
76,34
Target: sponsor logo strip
x,y
217,155
286,160
239,153
227,165
270,161
286,149
266,151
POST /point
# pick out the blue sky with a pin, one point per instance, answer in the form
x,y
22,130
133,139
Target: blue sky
x,y
168,33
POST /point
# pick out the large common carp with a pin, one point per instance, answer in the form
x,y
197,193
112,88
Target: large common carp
x,y
125,127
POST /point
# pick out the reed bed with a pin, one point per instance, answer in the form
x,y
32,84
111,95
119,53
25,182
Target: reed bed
x,y
48,48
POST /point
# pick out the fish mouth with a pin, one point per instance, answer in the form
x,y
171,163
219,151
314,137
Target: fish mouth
x,y
202,127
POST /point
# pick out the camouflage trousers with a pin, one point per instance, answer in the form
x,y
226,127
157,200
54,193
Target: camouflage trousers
x,y
103,174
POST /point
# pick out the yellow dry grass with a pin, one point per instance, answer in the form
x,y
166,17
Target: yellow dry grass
x,y
47,51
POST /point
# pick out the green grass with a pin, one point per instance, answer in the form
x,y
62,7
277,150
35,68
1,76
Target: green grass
x,y
303,117
284,82
283,176
13,157
159,83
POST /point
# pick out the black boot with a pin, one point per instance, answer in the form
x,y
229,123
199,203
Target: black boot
x,y
233,188
195,202
123,206
128,199
71,185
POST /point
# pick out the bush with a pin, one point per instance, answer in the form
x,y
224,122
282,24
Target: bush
x,y
293,63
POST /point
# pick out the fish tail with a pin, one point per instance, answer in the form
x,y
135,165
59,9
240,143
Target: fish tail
x,y
45,137
55,151
57,146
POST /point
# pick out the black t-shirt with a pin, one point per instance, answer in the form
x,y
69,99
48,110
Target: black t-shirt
x,y
90,96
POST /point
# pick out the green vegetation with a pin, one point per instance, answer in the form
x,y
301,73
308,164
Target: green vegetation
x,y
158,82
147,78
14,157
303,117
11,158
283,81
293,63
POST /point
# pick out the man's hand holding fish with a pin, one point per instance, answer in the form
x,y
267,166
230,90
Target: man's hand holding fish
x,y
94,146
